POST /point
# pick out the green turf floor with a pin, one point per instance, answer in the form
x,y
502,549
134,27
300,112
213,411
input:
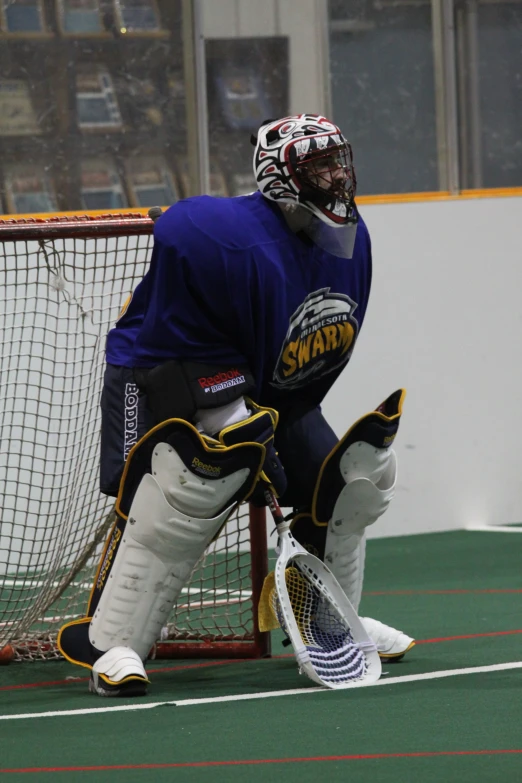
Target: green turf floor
x,y
435,587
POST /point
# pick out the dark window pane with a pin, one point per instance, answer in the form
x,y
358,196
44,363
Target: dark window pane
x,y
149,197
500,80
86,90
381,63
102,199
23,19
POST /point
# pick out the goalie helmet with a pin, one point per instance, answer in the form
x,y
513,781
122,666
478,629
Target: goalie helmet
x,y
305,159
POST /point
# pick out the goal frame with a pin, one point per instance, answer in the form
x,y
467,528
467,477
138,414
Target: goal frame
x,y
115,224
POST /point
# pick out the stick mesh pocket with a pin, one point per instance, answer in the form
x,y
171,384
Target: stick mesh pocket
x,y
326,635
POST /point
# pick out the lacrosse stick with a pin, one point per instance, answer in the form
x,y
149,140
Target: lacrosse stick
x,y
329,640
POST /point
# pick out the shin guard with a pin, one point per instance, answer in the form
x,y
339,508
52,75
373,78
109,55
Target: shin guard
x,y
355,486
177,491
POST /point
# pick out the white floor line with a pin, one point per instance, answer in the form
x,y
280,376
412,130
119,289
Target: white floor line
x,y
493,528
267,694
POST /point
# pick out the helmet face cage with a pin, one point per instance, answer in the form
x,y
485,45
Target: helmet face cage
x,y
306,160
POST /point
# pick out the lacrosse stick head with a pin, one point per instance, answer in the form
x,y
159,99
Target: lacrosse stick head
x,y
330,642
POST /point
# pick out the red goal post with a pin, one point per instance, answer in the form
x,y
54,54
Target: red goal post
x,y
63,281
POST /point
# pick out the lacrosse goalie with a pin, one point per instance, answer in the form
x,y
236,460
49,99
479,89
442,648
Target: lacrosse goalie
x,y
216,370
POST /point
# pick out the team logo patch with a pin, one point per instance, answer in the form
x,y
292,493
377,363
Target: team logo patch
x,y
320,338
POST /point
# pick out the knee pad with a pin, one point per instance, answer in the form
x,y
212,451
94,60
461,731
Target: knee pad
x,y
355,486
188,488
363,457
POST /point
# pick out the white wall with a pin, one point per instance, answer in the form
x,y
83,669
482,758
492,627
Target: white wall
x,y
445,322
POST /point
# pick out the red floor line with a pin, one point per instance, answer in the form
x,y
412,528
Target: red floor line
x,y
465,636
245,762
200,665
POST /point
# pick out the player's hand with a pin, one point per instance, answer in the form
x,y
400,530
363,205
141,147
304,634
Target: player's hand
x,y
272,474
259,428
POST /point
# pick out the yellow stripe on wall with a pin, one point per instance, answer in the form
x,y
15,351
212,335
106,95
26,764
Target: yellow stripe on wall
x,y
404,198
491,193
78,212
438,195
386,198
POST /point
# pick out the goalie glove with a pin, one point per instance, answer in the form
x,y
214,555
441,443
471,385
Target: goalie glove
x,y
259,428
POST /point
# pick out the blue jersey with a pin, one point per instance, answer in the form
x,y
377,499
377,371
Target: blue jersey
x,y
229,282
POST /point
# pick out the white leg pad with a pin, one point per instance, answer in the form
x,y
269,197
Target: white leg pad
x,y
160,547
371,476
345,557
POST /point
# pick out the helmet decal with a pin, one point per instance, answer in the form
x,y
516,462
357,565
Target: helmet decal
x,y
305,159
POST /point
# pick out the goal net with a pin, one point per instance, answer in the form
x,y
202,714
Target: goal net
x,y
62,284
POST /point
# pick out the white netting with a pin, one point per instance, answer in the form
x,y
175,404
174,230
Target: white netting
x,y
326,635
59,297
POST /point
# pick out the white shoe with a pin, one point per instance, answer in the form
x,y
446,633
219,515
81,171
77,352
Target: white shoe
x,y
119,672
391,644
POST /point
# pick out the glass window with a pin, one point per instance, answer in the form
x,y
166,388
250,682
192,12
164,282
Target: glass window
x,y
22,16
29,189
490,70
137,15
382,92
151,181
101,87
247,83
101,185
80,16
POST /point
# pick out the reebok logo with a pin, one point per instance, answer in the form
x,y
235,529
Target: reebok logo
x,y
222,380
205,468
